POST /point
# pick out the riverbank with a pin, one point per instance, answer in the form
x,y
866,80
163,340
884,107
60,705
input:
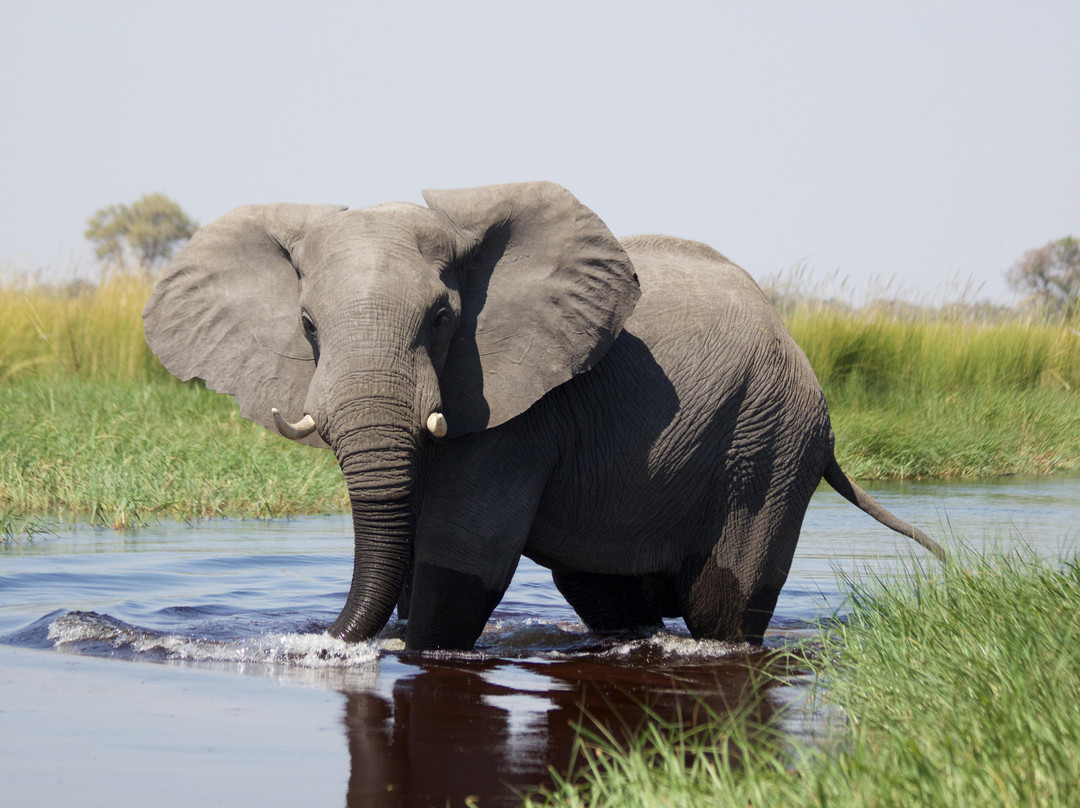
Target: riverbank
x,y
96,427
946,392
954,688
126,452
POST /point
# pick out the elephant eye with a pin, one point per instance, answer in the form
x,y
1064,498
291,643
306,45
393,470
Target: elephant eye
x,y
441,319
311,333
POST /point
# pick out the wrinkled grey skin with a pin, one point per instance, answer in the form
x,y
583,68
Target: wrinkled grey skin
x,y
632,415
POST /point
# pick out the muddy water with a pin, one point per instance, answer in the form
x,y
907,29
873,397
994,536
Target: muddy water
x,y
184,664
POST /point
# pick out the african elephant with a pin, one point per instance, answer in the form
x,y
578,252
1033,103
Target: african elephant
x,y
499,376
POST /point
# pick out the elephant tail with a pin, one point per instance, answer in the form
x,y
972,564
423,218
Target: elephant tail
x,y
835,476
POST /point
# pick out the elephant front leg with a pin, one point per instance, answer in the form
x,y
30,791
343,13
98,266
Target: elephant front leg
x,y
469,538
460,573
478,503
450,609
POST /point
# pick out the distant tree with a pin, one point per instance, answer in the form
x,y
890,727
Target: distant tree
x,y
147,233
1051,277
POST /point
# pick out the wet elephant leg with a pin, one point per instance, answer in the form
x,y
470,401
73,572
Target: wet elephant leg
x,y
759,610
719,604
479,502
453,611
772,572
711,599
730,593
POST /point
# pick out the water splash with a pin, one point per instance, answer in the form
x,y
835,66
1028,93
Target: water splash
x,y
94,633
568,639
98,634
666,647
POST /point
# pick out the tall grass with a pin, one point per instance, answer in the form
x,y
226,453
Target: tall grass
x,y
97,427
916,392
954,689
78,330
874,353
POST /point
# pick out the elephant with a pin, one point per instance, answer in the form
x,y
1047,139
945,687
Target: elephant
x,y
498,376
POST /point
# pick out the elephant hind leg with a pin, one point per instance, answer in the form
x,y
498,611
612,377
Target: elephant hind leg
x,y
759,611
716,605
730,593
711,598
615,602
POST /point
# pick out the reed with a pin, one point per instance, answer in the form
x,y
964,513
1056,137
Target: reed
x,y
877,352
919,392
89,331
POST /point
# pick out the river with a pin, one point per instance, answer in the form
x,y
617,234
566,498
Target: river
x,y
182,664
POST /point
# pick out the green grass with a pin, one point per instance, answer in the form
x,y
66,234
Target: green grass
x,y
954,688
97,427
970,434
127,452
911,395
875,352
924,393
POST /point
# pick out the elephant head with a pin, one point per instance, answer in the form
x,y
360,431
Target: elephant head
x,y
376,331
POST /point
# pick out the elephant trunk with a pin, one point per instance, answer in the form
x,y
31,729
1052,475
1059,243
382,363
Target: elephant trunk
x,y
375,439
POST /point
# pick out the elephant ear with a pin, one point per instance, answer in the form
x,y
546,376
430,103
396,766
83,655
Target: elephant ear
x,y
227,310
545,290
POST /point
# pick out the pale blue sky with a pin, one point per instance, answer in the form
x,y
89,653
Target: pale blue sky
x,y
930,143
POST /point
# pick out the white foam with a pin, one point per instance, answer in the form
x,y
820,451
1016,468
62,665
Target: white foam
x,y
302,650
676,646
509,638
571,639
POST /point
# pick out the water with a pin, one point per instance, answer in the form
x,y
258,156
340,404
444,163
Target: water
x,y
184,664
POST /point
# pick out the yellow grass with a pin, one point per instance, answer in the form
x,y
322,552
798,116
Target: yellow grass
x,y
90,331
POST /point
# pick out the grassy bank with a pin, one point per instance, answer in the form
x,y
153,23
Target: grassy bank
x,y
930,393
954,689
101,429
924,395
127,452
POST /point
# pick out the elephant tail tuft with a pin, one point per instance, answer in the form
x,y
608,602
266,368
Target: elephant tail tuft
x,y
835,476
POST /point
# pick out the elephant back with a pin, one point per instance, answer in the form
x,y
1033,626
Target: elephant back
x,y
688,287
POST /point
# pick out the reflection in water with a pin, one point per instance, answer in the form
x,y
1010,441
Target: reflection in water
x,y
490,729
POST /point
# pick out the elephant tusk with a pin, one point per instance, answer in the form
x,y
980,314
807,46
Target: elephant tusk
x,y
436,424
298,431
